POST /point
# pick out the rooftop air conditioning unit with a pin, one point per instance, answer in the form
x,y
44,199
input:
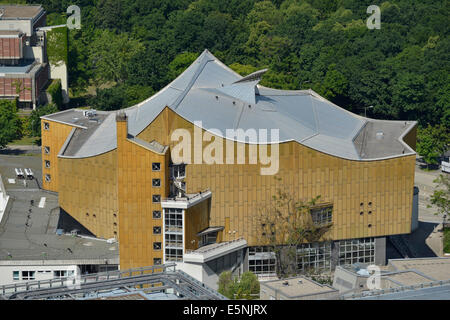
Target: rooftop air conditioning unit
x,y
89,113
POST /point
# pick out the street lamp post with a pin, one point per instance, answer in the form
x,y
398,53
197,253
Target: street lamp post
x,y
365,110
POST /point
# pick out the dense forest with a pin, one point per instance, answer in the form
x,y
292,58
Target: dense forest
x,y
128,49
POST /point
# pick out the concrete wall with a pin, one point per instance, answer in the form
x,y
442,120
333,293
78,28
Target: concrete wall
x,y
380,251
4,198
415,210
60,72
34,53
41,272
345,281
269,293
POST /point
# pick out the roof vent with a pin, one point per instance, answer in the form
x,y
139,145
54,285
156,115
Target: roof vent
x,y
89,113
244,89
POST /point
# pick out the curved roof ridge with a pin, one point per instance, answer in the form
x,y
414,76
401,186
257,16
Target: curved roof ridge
x,y
211,92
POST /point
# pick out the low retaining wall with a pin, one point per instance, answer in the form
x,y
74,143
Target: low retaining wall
x,y
4,199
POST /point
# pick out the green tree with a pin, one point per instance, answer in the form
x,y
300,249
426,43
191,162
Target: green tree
x,y
149,68
441,195
110,54
10,124
109,99
247,287
35,118
283,224
180,63
227,284
432,142
334,84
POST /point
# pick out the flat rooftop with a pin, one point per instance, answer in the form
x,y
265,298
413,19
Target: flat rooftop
x,y
298,286
18,69
432,293
437,268
408,278
27,236
86,129
19,11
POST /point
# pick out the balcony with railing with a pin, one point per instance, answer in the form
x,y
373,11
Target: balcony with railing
x,y
187,201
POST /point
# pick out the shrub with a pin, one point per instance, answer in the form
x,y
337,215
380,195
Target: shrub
x,y
55,91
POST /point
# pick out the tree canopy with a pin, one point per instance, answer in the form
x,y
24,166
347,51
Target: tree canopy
x,y
401,69
10,124
247,287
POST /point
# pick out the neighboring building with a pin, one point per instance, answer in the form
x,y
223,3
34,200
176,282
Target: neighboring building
x,y
31,246
398,274
24,69
115,177
151,283
297,288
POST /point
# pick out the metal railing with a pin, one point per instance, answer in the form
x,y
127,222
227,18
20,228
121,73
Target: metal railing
x,y
396,290
219,245
90,278
187,197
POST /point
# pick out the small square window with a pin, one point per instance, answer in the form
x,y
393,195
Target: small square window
x,y
47,150
47,163
156,182
48,178
156,166
156,198
156,245
157,261
46,126
156,214
157,230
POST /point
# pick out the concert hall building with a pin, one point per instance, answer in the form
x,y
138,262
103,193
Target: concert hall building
x,y
116,178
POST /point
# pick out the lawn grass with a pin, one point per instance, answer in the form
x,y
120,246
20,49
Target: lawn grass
x,y
446,240
25,141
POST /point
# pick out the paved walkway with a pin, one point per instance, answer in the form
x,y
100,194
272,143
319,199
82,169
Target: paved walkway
x,y
20,150
424,180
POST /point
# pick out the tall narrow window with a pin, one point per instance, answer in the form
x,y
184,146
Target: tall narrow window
x,y
16,275
178,170
47,163
173,235
46,126
48,178
47,150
